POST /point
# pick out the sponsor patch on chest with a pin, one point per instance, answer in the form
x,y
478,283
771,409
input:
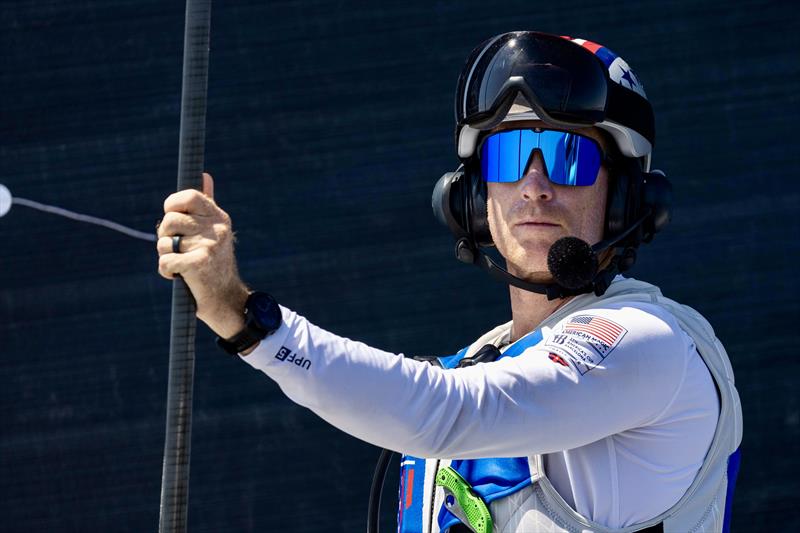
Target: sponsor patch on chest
x,y
586,340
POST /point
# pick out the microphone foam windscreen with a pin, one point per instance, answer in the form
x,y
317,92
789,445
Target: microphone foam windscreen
x,y
572,262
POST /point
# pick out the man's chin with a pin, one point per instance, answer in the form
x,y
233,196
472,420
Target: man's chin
x,y
534,276
539,277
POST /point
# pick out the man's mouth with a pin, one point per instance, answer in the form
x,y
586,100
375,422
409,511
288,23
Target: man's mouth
x,y
535,223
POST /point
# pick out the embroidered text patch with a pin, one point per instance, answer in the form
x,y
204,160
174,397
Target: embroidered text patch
x,y
586,340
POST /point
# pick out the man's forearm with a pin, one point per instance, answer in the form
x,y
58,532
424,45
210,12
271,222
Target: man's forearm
x,y
227,318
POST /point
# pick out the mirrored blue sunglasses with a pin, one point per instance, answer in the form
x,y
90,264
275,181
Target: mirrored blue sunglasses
x,y
569,158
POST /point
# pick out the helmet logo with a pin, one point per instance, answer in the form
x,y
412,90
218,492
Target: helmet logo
x,y
620,72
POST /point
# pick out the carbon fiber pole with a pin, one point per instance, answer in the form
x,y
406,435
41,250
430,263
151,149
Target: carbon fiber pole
x,y
177,446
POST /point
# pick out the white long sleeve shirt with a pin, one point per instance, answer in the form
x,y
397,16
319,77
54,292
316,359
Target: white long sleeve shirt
x,y
615,397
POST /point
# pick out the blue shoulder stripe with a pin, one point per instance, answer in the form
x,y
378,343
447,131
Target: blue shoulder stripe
x,y
531,339
451,361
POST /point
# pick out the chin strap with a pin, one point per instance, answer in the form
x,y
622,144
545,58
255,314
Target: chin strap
x,y
468,252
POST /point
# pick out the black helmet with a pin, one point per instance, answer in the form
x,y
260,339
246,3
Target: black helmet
x,y
564,81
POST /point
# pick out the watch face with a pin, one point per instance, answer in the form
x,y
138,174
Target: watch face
x,y
265,310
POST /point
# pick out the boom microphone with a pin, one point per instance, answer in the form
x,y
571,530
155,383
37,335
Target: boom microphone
x,y
572,262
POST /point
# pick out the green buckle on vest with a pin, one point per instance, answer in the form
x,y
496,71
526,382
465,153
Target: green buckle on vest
x,y
472,510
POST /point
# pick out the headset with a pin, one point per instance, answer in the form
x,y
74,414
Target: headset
x,y
637,207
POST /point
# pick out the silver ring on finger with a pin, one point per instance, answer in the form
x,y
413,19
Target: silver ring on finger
x,y
176,244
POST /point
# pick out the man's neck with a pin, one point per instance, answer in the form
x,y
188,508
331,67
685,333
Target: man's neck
x,y
529,309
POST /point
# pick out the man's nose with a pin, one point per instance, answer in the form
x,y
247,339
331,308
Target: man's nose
x,y
535,183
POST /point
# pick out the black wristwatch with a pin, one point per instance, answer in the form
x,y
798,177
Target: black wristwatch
x,y
262,318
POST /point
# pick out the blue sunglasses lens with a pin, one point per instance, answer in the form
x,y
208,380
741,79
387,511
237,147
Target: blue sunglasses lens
x,y
569,158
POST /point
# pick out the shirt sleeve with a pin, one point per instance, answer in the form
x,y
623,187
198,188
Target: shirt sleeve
x,y
580,383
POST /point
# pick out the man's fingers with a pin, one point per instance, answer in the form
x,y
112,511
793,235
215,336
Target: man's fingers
x,y
190,201
180,224
208,185
170,264
165,244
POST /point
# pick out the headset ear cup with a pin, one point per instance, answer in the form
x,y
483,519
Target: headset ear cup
x,y
447,202
625,202
477,215
617,204
657,195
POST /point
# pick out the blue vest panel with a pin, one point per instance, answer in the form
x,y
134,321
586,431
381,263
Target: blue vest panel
x,y
490,478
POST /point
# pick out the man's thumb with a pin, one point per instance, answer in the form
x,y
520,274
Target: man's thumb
x,y
208,185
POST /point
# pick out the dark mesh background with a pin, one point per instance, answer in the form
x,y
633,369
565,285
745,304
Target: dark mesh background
x,y
328,124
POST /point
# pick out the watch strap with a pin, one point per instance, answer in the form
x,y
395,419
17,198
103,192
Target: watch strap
x,y
253,331
241,341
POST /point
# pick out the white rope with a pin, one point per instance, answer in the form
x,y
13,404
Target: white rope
x,y
85,218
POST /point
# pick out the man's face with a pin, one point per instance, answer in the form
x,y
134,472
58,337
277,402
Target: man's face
x,y
526,217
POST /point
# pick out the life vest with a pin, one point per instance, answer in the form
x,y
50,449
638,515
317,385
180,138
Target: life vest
x,y
517,492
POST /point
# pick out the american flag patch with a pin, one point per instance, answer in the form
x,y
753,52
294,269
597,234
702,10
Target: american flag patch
x,y
601,328
586,340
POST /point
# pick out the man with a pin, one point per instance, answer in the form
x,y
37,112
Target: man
x,y
602,405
